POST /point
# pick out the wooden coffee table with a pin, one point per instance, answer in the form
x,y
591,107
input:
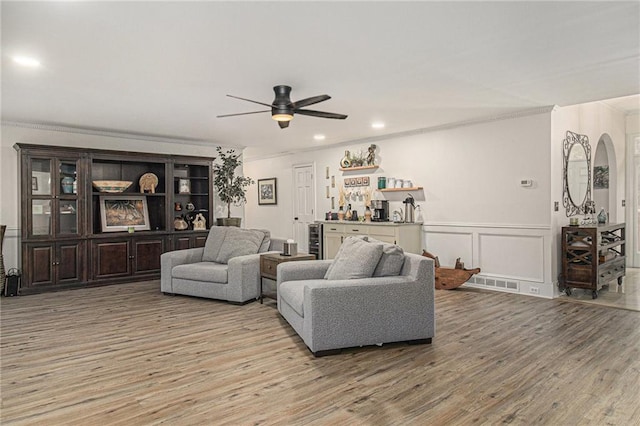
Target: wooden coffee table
x,y
269,268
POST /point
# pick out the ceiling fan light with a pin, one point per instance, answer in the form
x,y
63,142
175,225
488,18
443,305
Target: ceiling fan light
x,y
282,117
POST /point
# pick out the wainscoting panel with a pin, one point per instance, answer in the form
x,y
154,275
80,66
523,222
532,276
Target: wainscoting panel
x,y
449,246
512,256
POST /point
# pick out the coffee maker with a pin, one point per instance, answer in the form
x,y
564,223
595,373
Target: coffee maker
x,y
380,210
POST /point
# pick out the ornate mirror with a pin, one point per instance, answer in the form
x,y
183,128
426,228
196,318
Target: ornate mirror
x,y
576,173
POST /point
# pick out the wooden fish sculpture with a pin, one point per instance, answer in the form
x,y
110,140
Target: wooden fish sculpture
x,y
450,278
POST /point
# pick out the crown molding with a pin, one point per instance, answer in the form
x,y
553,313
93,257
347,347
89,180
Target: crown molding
x,y
95,131
438,128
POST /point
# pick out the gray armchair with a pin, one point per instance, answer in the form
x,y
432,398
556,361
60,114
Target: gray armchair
x,y
226,268
330,314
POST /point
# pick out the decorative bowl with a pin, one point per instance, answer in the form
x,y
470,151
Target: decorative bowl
x,y
112,185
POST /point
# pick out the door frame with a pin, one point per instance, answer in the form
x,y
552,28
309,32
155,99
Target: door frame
x,y
632,200
294,199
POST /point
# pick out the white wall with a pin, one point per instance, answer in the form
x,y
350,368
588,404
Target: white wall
x,y
473,205
9,185
594,120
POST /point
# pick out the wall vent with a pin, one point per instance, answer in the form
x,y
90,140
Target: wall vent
x,y
503,284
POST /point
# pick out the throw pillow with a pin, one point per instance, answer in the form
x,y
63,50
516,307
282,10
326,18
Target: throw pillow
x,y
356,258
214,242
239,242
266,241
391,261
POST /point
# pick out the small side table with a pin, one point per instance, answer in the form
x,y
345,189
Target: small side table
x,y
269,267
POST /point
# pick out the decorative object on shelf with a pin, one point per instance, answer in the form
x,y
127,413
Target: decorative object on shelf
x,y
111,186
407,184
603,216
340,213
190,207
371,157
184,186
382,182
348,214
267,191
67,185
199,223
346,160
450,278
574,221
391,182
179,224
177,207
148,182
576,164
231,188
118,213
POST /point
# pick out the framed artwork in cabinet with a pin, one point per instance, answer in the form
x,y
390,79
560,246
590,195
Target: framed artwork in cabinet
x,y
124,213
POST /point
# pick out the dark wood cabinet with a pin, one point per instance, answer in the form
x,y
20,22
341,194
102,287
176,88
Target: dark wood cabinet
x,y
592,256
64,243
53,264
124,257
189,240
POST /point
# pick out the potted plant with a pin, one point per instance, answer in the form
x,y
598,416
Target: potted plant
x,y
231,188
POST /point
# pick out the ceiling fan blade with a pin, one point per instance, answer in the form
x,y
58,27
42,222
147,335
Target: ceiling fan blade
x,y
241,113
321,114
249,100
283,124
310,101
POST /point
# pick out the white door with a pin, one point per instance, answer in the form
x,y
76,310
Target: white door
x,y
303,204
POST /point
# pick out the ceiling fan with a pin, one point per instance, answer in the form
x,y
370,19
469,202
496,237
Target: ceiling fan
x,y
283,109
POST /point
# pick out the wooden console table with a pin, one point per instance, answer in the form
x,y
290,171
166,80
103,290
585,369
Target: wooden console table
x,y
269,268
592,256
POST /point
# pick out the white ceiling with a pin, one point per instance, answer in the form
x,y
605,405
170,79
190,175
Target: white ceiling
x,y
164,68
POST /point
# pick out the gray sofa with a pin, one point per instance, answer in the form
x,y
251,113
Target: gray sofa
x,y
226,268
343,309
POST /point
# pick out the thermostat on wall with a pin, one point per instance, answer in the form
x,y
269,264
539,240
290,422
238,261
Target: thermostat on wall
x,y
526,182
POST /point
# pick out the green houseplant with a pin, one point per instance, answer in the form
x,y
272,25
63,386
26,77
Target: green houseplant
x,y
231,188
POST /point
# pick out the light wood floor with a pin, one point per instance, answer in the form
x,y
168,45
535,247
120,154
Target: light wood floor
x,y
624,296
127,355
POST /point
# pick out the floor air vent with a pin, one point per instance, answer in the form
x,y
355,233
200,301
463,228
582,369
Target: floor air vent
x,y
495,283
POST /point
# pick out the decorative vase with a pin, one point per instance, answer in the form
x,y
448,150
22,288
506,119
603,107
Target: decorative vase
x,y
340,214
346,160
367,215
229,221
348,214
67,185
602,216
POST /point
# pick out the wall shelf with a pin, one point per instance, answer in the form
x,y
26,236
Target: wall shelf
x,y
358,168
413,188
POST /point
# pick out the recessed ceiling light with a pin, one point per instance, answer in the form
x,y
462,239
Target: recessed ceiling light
x,y
26,61
377,125
319,137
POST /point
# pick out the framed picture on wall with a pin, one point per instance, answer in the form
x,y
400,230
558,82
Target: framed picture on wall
x,y
267,191
124,212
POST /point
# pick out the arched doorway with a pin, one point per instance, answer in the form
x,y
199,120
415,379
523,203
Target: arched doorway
x,y
605,172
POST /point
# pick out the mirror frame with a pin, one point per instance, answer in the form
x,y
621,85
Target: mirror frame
x,y
569,142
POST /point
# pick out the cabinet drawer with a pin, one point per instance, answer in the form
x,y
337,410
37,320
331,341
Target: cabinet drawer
x,y
389,231
355,229
334,229
268,268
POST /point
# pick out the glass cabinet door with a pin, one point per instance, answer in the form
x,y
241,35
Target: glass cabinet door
x,y
54,197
